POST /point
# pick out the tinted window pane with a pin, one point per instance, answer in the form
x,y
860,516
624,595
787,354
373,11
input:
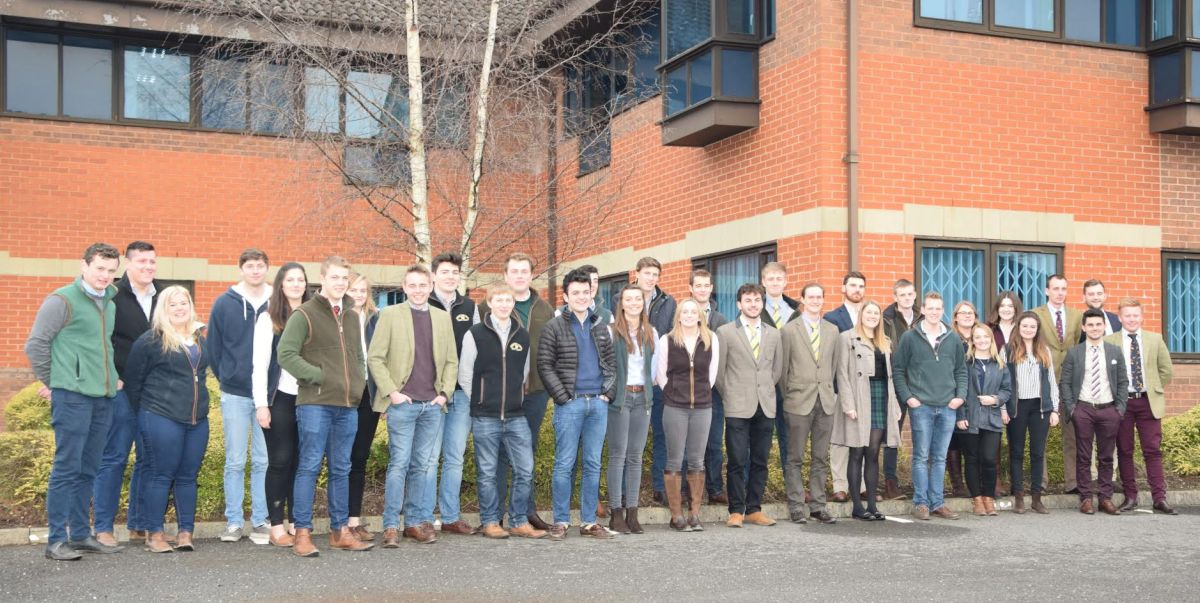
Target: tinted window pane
x,y
371,164
729,273
1183,305
1194,76
595,150
223,94
371,97
768,18
1026,274
157,84
1026,14
1123,22
271,105
31,68
967,11
676,89
701,77
737,73
955,273
739,18
1166,78
87,77
320,101
1082,20
449,113
1162,19
688,23
645,59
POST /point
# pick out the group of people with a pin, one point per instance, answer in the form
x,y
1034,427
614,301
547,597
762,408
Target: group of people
x,y
306,373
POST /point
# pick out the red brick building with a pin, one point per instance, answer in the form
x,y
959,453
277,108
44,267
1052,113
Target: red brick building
x,y
991,146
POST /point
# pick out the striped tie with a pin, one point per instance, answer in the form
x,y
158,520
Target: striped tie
x,y
1094,373
775,315
816,342
754,343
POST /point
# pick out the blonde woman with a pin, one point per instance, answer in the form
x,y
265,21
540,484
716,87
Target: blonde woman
x,y
164,379
983,417
869,414
965,318
368,419
686,370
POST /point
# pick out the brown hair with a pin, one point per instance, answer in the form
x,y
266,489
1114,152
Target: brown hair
x,y
1128,302
253,254
278,307
700,273
648,262
645,332
520,257
993,317
1016,345
334,261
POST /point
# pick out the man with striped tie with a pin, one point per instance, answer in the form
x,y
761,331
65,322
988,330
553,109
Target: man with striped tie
x,y
1094,388
778,309
1060,327
750,362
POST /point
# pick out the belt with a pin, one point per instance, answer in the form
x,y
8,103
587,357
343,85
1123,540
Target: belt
x,y
1136,395
1097,405
635,389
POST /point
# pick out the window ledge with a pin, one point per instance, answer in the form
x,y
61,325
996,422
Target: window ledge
x,y
1177,118
709,122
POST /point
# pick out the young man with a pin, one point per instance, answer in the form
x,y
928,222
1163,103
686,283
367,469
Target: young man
x,y
1060,327
492,372
898,318
576,362
414,362
137,292
844,317
700,286
1149,363
320,347
810,353
1095,388
750,363
1094,296
70,349
533,312
447,277
661,309
597,304
930,375
230,348
778,309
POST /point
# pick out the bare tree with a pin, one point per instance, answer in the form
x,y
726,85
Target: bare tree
x,y
435,115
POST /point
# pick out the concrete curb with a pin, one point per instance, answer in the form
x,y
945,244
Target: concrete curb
x,y
647,515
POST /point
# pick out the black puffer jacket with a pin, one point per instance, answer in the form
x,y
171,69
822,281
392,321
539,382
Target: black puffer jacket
x,y
558,357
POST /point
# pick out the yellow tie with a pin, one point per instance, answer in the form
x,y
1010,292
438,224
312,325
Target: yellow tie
x,y
816,342
754,348
775,316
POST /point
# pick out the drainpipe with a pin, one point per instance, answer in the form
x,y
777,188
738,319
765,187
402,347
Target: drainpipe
x,y
851,158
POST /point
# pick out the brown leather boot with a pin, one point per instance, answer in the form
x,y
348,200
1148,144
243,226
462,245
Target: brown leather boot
x,y
673,480
346,540
616,522
1019,503
631,519
1037,505
304,546
989,506
977,506
696,487
183,542
891,490
958,488
156,542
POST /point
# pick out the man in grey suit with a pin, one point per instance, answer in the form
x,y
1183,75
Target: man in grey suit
x,y
809,356
750,362
1094,389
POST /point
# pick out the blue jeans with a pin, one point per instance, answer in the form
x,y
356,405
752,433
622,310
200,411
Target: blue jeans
x,y
240,429
325,433
174,452
932,427
489,433
122,435
714,456
534,406
452,442
580,422
413,432
80,430
658,444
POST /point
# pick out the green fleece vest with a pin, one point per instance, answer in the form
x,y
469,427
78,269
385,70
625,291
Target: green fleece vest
x,y
81,355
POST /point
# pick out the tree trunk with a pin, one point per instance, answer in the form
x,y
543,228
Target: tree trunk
x,y
481,123
416,134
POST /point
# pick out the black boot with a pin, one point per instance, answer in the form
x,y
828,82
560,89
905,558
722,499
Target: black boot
x,y
631,520
616,520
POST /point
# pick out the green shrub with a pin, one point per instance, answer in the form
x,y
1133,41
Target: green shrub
x,y
1181,443
25,472
27,410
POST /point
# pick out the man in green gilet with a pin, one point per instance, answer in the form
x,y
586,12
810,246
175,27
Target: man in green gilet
x,y
70,350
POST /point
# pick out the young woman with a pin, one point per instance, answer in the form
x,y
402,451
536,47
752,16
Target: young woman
x,y
962,320
982,418
870,412
686,368
274,391
1033,408
368,419
164,379
629,412
1003,317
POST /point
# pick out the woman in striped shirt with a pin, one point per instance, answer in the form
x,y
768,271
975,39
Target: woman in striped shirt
x,y
1033,408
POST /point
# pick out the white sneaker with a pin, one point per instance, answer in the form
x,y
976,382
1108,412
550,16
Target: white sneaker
x,y
261,534
232,533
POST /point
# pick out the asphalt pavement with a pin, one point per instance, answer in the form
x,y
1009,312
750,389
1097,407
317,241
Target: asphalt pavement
x,y
1064,555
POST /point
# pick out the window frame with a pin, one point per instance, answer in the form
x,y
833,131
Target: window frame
x,y
990,249
767,252
1174,254
989,27
619,280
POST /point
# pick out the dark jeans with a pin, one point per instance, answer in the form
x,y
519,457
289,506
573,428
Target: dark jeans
x,y
1149,430
282,457
891,456
1032,421
1100,425
326,433
535,413
713,455
80,431
174,452
980,451
122,435
748,442
368,421
658,443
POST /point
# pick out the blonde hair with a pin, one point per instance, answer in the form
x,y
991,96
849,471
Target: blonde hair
x,y
993,353
369,308
954,318
878,336
160,324
677,331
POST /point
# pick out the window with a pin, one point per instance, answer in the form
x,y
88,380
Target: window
x,y
33,61
732,270
376,105
1162,19
387,295
322,108
609,290
595,149
189,285
1105,22
1181,302
768,19
976,272
689,22
379,164
157,84
1166,78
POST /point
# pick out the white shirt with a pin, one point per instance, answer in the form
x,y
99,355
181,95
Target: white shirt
x,y
660,359
264,335
1085,393
146,300
785,311
1125,341
853,313
633,362
932,337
